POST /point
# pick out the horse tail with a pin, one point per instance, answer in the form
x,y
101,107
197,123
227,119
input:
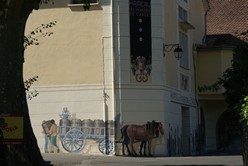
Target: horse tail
x,y
123,130
124,134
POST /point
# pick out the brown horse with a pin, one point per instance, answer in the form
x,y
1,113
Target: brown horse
x,y
125,142
158,129
143,133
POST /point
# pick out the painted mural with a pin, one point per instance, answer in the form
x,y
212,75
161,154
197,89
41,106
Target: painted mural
x,y
73,133
140,40
109,136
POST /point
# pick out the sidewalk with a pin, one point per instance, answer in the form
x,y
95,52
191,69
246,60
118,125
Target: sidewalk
x,y
103,160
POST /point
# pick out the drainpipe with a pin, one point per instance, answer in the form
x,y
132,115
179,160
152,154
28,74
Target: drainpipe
x,y
113,60
118,115
105,95
196,96
118,71
119,63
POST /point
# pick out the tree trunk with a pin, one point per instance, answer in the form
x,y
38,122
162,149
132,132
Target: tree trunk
x,y
13,17
245,144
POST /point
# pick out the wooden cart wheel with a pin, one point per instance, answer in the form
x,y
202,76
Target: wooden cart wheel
x,y
106,146
74,140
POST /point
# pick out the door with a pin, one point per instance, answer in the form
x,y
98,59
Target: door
x,y
185,131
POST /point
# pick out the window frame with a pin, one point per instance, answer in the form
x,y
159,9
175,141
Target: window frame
x,y
184,44
75,2
183,34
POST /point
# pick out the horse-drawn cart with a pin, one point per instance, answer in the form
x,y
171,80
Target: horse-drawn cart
x,y
75,134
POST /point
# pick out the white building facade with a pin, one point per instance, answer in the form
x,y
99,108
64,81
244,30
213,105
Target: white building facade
x,y
101,64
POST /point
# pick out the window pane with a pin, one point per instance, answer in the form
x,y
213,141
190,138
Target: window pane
x,y
184,45
183,14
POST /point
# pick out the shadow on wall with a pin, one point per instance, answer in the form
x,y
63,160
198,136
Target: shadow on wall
x,y
175,143
229,133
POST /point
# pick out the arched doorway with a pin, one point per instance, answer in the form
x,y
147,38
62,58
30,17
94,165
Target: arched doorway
x,y
228,132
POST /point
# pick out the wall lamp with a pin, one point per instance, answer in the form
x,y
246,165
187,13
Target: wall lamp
x,y
177,51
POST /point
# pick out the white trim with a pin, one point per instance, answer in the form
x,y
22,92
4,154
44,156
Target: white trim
x,y
68,87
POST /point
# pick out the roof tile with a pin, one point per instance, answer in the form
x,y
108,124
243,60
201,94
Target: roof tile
x,y
227,16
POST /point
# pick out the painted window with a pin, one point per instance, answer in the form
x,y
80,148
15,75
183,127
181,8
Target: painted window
x,y
184,82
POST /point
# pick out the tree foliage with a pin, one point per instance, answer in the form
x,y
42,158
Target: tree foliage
x,y
33,37
28,83
244,110
235,78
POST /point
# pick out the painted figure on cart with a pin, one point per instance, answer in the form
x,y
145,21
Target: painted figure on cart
x,y
65,113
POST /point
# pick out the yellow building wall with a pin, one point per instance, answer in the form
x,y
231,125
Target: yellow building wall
x,y
211,64
73,54
208,67
226,58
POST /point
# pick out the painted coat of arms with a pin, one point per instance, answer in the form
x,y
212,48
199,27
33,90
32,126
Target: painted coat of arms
x,y
140,40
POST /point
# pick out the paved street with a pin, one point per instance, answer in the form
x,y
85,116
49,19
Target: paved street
x,y
102,160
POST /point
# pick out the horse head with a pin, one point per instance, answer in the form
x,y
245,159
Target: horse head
x,y
158,127
155,128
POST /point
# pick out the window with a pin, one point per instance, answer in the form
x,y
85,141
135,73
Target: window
x,y
183,14
183,19
81,1
183,42
183,36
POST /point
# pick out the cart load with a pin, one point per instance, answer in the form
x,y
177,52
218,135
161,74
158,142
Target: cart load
x,y
74,134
